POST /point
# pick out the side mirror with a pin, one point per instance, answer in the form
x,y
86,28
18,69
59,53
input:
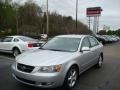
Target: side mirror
x,y
85,49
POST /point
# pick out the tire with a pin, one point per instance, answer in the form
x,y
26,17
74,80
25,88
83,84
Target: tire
x,y
100,62
71,78
16,52
103,42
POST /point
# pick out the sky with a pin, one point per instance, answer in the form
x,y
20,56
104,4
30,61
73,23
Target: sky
x,y
110,14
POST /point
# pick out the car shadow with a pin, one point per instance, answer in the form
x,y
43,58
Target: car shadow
x,y
27,87
6,54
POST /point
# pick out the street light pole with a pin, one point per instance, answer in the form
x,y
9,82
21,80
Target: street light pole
x,y
89,21
16,17
76,14
17,22
47,20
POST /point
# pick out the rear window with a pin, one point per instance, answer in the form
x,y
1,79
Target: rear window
x,y
25,39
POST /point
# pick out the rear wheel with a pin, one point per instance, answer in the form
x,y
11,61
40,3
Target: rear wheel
x,y
16,52
71,78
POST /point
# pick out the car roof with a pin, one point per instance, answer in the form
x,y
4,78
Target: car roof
x,y
72,36
15,36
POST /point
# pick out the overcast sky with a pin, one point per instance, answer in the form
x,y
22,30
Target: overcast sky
x,y
110,15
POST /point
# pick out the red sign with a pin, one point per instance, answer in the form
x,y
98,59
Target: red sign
x,y
93,11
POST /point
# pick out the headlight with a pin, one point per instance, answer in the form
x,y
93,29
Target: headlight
x,y
14,65
50,69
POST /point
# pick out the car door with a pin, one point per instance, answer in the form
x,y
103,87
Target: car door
x,y
1,44
7,42
94,46
85,56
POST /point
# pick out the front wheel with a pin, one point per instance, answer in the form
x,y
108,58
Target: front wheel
x,y
71,78
100,62
16,52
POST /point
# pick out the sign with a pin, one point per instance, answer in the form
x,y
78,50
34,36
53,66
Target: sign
x,y
93,11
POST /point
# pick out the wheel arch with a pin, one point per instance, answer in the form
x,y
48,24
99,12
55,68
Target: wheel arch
x,y
101,54
71,65
17,48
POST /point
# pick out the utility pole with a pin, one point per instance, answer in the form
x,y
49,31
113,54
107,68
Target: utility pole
x,y
94,26
76,14
16,18
97,24
16,11
17,22
47,20
89,26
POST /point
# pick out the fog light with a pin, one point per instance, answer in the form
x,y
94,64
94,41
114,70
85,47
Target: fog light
x,y
44,83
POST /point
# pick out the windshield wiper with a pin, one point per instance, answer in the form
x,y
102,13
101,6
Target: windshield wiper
x,y
53,49
57,50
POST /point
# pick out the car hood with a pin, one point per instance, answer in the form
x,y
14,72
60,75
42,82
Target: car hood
x,y
43,57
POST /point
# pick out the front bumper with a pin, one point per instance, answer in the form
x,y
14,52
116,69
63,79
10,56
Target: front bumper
x,y
44,80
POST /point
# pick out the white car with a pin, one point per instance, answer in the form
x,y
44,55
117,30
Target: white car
x,y
18,44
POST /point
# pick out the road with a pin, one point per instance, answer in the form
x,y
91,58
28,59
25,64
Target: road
x,y
106,78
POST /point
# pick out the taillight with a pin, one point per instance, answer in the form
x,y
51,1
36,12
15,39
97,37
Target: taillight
x,y
30,45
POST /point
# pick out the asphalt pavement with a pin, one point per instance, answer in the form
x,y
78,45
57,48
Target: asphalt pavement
x,y
106,78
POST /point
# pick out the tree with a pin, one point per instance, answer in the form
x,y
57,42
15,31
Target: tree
x,y
29,19
115,32
29,15
7,17
102,32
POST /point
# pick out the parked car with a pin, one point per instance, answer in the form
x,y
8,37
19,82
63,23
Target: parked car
x,y
105,38
110,40
100,38
59,62
118,38
115,38
18,44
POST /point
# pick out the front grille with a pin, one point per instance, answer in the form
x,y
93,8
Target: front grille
x,y
25,68
25,80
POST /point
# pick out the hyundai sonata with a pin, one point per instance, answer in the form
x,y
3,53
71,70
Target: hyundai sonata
x,y
59,62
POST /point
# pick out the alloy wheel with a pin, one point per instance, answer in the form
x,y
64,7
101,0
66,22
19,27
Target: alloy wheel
x,y
16,52
72,78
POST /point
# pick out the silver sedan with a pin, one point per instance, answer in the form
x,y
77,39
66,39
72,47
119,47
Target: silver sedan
x,y
59,62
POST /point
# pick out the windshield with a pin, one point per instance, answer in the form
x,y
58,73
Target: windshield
x,y
25,39
62,44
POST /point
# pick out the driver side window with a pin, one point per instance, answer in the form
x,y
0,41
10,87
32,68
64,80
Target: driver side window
x,y
85,42
93,42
